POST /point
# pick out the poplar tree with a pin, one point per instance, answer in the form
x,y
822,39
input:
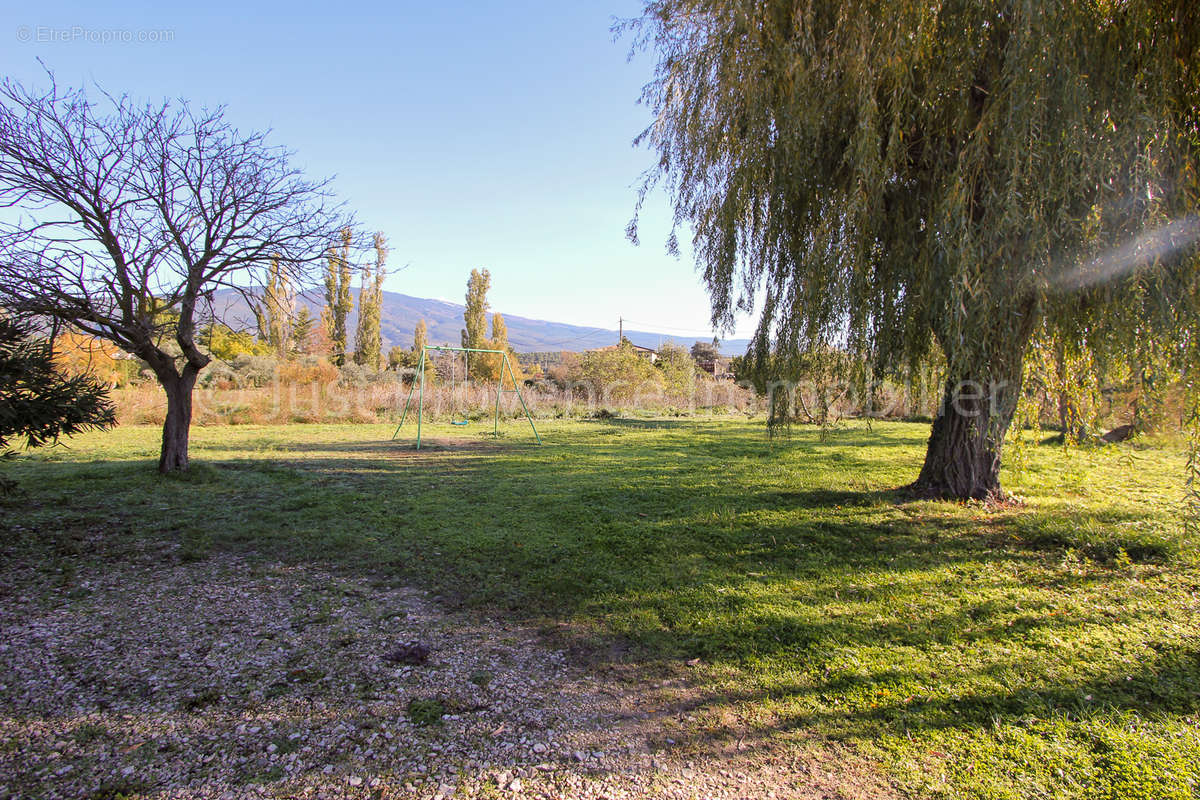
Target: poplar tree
x,y
420,336
368,341
893,179
499,332
420,339
339,301
499,341
274,310
474,335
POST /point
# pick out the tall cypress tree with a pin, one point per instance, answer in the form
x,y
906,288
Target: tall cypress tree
x,y
302,328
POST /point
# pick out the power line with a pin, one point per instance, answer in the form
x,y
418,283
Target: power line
x,y
591,335
663,328
665,331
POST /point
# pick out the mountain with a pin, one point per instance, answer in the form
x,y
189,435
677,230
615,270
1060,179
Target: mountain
x,y
445,322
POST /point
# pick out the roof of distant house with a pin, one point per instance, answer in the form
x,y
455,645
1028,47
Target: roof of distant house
x,y
636,347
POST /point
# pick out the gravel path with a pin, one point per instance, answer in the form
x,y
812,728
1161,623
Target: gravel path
x,y
230,678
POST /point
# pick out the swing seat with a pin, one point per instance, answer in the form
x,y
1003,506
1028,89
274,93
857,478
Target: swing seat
x,y
458,422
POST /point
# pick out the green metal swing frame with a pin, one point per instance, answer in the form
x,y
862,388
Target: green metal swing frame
x,y
418,385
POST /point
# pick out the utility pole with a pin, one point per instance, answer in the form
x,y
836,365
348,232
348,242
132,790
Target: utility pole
x,y
620,329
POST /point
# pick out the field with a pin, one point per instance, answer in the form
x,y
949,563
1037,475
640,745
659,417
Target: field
x,y
1046,649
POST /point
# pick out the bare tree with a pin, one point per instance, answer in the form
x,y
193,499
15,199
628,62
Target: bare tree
x,y
122,220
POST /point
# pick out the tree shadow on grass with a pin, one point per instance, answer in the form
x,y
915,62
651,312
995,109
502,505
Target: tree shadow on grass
x,y
647,424
890,702
668,549
836,498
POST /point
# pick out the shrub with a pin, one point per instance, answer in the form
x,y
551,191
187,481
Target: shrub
x,y
306,371
254,370
359,376
679,373
617,375
218,375
38,403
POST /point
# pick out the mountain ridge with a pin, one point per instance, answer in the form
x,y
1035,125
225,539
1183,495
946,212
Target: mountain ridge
x,y
444,321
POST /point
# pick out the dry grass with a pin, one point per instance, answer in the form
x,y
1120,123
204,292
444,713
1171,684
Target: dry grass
x,y
282,403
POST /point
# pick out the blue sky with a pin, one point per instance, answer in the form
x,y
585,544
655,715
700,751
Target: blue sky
x,y
473,134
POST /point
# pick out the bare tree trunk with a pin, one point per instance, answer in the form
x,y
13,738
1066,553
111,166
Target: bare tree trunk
x,y
174,454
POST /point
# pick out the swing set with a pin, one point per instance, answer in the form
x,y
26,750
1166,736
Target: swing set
x,y
462,421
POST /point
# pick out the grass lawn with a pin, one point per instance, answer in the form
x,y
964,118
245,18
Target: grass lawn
x,y
1050,649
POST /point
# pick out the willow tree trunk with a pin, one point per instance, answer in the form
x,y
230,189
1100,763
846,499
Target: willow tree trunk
x,y
962,461
174,454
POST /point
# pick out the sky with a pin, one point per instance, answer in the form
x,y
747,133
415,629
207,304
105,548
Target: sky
x,y
472,134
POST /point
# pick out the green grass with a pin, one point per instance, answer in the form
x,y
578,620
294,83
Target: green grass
x,y
423,711
1046,650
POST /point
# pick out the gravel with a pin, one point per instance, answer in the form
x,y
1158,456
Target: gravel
x,y
231,678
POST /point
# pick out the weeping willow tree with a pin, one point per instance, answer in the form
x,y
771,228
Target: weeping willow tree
x,y
894,178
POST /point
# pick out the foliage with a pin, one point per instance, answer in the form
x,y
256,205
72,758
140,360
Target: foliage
x,y
499,341
474,333
401,357
1065,373
318,342
125,219
893,177
490,366
1191,511
486,367
253,371
361,375
368,342
243,370
706,351
969,652
38,403
274,310
420,336
305,371
339,302
678,371
225,344
562,370
79,354
544,359
616,375
810,387
303,327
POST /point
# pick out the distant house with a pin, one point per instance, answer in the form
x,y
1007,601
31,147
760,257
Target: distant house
x,y
718,366
645,352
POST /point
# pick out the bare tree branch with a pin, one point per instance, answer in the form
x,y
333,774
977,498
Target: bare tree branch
x,y
128,217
